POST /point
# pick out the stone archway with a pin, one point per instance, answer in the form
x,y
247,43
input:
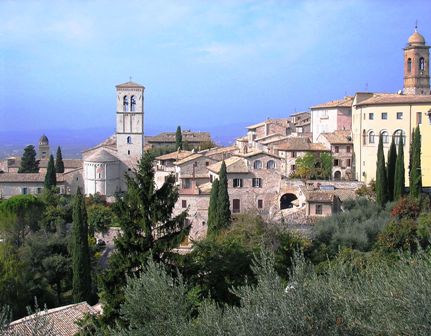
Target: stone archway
x,y
337,175
286,201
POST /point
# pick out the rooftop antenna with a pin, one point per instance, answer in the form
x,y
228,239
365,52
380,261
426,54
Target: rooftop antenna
x,y
416,26
130,78
366,87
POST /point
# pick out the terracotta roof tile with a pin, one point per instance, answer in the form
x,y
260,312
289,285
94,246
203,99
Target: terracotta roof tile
x,y
299,144
345,102
338,137
60,321
129,84
26,177
177,156
234,164
393,98
189,158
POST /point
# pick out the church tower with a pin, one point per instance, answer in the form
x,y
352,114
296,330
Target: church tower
x,y
416,66
130,122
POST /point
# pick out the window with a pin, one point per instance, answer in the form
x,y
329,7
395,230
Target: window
x,y
384,115
348,149
336,149
125,104
399,134
294,154
24,191
371,137
236,206
371,116
385,137
257,164
207,163
128,152
293,168
237,183
260,204
336,163
409,65
348,163
399,115
318,209
257,182
364,137
184,204
419,118
187,183
39,190
270,164
129,139
132,104
421,64
211,178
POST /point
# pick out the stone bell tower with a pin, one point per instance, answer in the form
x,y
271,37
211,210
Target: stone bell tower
x,y
416,66
130,121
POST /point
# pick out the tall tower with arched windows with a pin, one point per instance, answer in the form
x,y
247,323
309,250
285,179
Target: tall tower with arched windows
x,y
416,66
130,121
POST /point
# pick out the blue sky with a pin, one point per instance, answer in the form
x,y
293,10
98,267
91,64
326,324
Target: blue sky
x,y
205,64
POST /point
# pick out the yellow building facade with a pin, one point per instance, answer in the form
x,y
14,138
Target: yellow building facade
x,y
395,116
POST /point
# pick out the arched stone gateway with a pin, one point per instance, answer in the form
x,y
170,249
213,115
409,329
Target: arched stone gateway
x,y
286,201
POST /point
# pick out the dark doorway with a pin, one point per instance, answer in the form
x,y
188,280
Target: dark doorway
x,y
286,201
337,175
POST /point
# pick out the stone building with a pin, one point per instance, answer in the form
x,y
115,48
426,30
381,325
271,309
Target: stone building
x,y
168,139
395,115
43,152
25,184
335,115
292,149
341,145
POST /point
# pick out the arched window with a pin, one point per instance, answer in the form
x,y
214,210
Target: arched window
x,y
129,139
421,64
364,137
399,134
385,137
257,164
132,103
371,137
409,65
270,164
126,104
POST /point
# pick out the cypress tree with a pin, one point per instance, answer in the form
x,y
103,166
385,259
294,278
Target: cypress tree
x,y
411,156
381,178
148,231
416,171
179,138
81,265
213,208
392,159
28,161
50,176
59,164
399,185
223,212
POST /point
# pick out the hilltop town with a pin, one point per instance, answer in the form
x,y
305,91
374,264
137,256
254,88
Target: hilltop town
x,y
267,168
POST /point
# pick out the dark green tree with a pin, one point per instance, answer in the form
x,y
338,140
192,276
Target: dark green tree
x,y
50,176
81,264
213,207
399,179
392,159
416,171
148,231
59,164
223,213
28,161
411,156
381,178
179,138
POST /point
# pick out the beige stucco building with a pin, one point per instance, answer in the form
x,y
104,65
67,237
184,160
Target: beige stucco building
x,y
394,116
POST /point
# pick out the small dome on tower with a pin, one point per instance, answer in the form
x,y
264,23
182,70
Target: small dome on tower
x,y
416,38
43,140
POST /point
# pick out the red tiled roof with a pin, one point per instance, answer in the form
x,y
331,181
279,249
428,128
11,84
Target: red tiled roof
x,y
393,98
345,102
